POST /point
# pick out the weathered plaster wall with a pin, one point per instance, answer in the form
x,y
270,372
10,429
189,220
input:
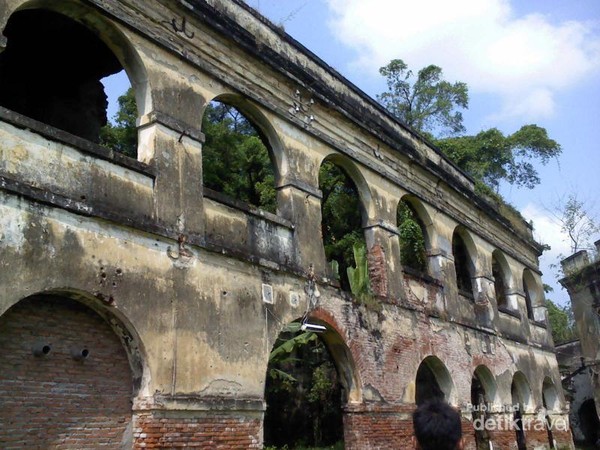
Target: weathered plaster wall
x,y
183,275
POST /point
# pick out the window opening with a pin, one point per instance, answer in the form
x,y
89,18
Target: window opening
x,y
461,264
499,284
51,69
412,237
235,158
341,222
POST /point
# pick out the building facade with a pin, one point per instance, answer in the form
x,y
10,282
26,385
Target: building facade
x,y
582,358
138,309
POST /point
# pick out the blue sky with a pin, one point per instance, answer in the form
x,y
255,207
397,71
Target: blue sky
x,y
526,61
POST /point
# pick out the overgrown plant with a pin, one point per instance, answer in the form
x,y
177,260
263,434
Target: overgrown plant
x,y
303,393
341,218
121,136
412,240
358,276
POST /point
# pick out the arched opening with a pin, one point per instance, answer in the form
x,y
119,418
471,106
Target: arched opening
x,y
120,132
463,264
51,71
237,157
531,292
551,403
413,235
310,377
483,391
500,272
433,382
64,373
521,395
589,422
341,226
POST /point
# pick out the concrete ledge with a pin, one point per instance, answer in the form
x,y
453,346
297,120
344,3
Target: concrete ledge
x,y
55,134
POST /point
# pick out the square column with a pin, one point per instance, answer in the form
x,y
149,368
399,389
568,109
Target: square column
x,y
175,151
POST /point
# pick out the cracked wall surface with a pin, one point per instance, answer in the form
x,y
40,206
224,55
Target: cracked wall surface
x,y
178,272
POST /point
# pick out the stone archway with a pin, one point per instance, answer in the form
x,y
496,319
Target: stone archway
x,y
65,378
521,397
311,377
483,392
433,381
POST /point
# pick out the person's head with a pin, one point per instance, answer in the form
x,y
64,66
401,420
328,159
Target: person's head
x,y
437,426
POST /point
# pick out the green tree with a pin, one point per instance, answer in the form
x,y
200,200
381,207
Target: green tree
x,y
302,391
561,322
492,157
341,218
235,160
427,105
412,240
122,136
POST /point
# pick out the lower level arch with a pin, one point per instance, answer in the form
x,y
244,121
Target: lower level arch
x,y
65,378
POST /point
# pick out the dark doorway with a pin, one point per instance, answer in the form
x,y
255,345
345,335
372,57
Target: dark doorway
x,y
588,419
480,404
427,387
518,418
303,393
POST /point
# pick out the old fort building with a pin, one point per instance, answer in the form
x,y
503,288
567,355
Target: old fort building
x,y
139,306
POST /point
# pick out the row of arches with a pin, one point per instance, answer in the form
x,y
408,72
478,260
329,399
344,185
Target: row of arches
x,y
243,156
80,392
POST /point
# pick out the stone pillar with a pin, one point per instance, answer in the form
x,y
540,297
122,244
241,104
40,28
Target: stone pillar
x,y
439,262
383,250
441,267
521,300
174,149
485,299
300,203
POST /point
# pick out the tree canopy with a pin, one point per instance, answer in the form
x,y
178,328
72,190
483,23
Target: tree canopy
x,y
561,322
122,135
341,223
492,157
235,159
429,105
577,222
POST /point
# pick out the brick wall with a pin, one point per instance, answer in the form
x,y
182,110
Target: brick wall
x,y
54,401
210,431
377,430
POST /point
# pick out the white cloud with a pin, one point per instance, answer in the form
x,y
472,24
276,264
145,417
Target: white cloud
x,y
525,60
547,231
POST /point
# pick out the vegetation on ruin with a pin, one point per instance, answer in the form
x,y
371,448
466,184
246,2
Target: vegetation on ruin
x,y
412,239
561,322
120,135
341,220
235,159
303,393
430,105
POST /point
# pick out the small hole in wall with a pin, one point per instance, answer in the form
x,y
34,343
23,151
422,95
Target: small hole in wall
x,y
41,349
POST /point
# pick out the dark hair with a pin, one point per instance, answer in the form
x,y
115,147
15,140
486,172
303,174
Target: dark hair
x,y
437,426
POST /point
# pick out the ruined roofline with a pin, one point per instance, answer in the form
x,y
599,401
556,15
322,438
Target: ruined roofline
x,y
218,15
